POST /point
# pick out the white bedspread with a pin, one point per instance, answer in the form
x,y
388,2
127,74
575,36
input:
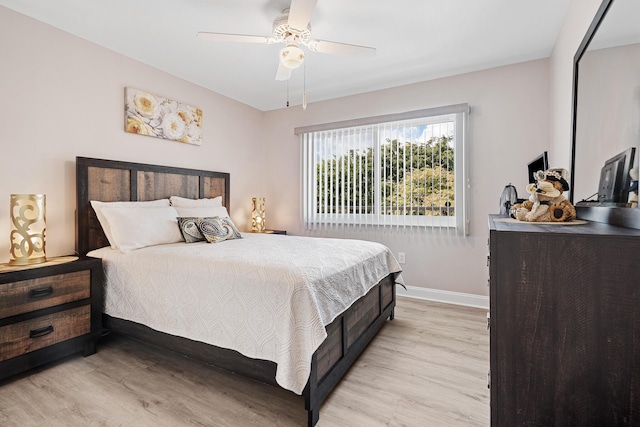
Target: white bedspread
x,y
265,296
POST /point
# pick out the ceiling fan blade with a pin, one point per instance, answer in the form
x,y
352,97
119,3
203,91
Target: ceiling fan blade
x,y
283,72
300,13
240,38
340,48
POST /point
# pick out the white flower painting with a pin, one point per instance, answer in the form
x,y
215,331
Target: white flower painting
x,y
152,115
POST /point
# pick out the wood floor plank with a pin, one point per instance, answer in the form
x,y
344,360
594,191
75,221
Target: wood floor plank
x,y
427,367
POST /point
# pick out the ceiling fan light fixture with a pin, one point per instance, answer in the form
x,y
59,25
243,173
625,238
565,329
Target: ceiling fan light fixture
x,y
292,56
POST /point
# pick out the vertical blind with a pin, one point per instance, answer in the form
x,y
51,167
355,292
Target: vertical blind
x,y
401,170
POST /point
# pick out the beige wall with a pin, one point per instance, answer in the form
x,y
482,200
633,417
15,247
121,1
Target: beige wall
x,y
62,97
509,126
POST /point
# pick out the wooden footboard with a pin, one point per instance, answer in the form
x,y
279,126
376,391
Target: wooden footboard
x,y
348,335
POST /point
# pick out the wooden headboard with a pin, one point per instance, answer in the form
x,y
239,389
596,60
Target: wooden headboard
x,y
113,181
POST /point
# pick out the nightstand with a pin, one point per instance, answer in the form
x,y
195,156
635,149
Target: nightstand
x,y
270,232
49,311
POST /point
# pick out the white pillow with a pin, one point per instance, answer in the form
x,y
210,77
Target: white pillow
x,y
135,228
98,206
203,212
181,202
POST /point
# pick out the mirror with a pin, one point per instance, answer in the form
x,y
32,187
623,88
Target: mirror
x,y
606,116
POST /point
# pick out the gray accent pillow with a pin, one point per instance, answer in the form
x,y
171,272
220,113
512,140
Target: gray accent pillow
x,y
189,229
217,229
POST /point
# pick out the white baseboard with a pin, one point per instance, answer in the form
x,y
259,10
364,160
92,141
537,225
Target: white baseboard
x,y
458,298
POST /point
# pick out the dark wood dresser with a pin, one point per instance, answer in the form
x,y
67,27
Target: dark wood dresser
x,y
565,324
48,312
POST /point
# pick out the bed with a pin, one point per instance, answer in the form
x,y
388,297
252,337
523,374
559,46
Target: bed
x,y
345,332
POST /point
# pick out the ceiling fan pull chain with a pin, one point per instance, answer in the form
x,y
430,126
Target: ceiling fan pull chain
x,y
304,87
287,93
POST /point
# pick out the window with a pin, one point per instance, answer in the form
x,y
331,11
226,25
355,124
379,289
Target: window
x,y
402,170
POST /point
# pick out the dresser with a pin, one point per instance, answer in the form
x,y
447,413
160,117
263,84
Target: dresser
x,y
49,311
564,324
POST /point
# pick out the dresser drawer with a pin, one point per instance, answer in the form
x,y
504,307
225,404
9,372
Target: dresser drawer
x,y
34,294
24,337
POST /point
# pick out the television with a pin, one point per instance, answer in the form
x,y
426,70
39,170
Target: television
x,y
615,181
540,163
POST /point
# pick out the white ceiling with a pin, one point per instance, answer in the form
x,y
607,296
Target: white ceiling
x,y
416,40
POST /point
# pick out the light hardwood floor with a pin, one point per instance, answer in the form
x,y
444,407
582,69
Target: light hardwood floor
x,y
428,367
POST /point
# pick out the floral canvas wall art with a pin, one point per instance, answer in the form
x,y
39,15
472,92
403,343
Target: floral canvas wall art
x,y
152,115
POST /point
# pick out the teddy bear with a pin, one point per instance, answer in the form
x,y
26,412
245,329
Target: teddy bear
x,y
546,202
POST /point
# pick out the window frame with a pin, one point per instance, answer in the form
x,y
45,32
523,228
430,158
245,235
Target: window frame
x,y
459,221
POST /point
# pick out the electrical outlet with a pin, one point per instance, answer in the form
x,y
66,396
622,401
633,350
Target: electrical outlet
x,y
401,258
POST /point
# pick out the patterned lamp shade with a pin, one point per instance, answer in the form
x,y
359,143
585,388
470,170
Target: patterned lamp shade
x,y
257,215
28,216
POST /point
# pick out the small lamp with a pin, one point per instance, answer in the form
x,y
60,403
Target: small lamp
x,y
28,216
257,215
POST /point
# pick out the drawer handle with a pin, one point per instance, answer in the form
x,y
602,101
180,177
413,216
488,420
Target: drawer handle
x,y
40,292
40,332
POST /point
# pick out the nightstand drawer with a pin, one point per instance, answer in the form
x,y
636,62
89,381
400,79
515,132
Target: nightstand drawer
x,y
24,337
29,295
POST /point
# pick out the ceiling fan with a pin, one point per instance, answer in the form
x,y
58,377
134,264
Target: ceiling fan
x,y
292,28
